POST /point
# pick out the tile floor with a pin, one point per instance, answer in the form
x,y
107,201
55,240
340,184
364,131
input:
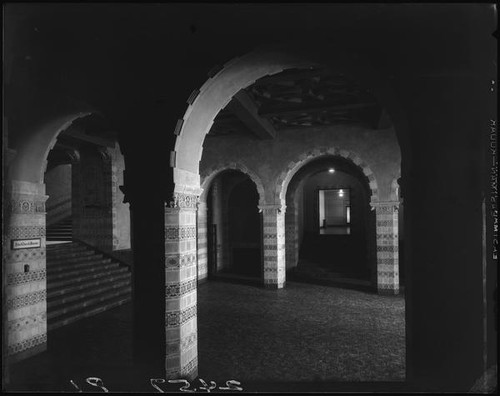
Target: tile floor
x,y
305,337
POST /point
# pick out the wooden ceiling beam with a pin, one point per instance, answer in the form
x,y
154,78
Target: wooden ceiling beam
x,y
270,112
81,135
243,107
298,75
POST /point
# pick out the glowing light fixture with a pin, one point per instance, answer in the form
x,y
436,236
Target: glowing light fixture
x,y
331,170
341,193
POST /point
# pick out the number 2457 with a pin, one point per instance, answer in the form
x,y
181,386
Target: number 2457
x,y
231,385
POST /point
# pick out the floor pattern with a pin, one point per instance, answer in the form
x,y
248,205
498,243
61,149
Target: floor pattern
x,y
302,334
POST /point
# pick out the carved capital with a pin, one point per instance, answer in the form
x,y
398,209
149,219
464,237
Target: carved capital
x,y
184,201
385,205
104,153
272,207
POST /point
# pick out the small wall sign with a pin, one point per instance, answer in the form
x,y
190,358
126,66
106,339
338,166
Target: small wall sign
x,y
26,243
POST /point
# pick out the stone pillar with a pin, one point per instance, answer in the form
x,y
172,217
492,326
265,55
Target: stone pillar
x,y
181,279
202,242
292,237
387,247
25,270
274,245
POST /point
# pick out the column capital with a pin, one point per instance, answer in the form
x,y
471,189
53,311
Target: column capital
x,y
385,204
183,201
278,207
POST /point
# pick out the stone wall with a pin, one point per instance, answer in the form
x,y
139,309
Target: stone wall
x,y
93,199
100,217
269,158
58,189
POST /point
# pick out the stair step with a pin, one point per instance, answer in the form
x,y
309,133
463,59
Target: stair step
x,y
98,266
74,258
55,269
88,302
68,246
56,250
92,276
87,312
68,289
80,281
93,290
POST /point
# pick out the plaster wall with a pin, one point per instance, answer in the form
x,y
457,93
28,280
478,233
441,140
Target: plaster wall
x,y
269,158
121,223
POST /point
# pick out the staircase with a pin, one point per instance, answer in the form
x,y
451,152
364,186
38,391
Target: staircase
x,y
82,283
60,231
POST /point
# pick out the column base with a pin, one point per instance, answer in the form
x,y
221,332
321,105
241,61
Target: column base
x,y
28,353
274,286
388,292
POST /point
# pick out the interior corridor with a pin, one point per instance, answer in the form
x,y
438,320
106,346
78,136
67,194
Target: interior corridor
x,y
305,334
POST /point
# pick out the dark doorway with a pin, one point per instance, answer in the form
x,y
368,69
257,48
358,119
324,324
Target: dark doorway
x,y
234,229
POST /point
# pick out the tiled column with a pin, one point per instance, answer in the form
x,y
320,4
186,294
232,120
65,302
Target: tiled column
x,y
274,245
387,247
181,274
202,242
25,270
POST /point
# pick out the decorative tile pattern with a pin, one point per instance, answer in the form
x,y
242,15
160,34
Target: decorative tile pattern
x,y
387,247
274,244
18,278
28,343
180,232
180,262
26,310
26,232
25,255
25,206
177,289
26,299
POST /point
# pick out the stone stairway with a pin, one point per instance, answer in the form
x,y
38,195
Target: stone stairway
x,y
82,283
60,231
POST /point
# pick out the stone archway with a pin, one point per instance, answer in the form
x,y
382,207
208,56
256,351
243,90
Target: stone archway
x,y
203,106
293,167
286,176
24,227
207,178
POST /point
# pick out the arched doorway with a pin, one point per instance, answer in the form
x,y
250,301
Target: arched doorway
x,y
65,283
231,230
330,224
